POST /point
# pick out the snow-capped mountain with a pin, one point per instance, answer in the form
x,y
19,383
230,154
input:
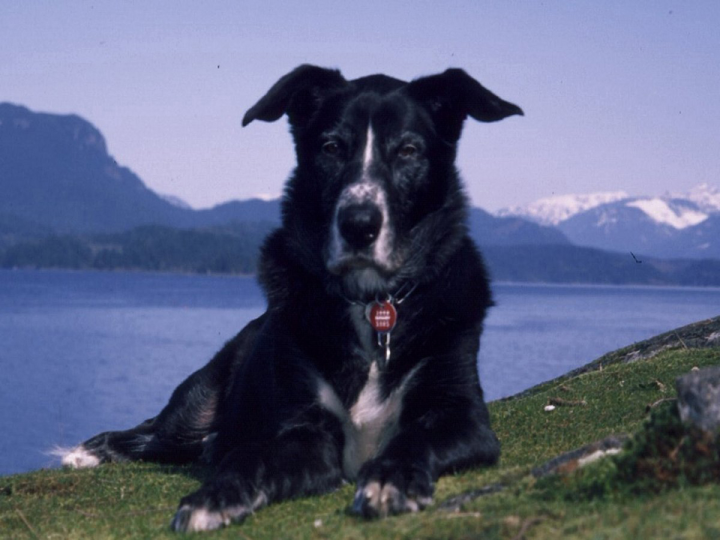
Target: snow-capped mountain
x,y
618,226
669,225
558,208
677,213
705,196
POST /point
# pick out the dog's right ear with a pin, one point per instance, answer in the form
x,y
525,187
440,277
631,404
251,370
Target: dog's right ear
x,y
297,94
454,95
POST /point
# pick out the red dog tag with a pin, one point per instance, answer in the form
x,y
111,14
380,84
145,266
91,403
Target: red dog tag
x,y
382,316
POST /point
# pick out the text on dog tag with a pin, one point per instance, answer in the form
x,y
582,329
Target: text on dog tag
x,y
382,316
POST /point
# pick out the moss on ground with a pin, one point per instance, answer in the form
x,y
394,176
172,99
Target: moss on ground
x,y
662,456
607,501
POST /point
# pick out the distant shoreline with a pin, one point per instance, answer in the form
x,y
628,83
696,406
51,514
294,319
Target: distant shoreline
x,y
548,284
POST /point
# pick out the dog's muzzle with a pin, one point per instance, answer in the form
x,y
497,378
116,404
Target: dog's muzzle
x,y
361,236
359,225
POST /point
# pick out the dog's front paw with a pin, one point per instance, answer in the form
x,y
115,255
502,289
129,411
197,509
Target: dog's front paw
x,y
390,488
214,506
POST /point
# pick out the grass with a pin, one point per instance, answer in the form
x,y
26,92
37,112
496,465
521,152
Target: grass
x,y
138,500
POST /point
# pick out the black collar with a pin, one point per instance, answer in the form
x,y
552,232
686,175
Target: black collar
x,y
405,290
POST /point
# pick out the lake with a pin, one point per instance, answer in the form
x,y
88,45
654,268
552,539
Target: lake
x,y
84,352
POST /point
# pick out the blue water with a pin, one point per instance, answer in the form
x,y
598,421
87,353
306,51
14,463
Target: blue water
x,y
84,352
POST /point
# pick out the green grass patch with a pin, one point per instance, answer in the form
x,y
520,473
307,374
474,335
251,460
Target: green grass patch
x,y
664,455
138,500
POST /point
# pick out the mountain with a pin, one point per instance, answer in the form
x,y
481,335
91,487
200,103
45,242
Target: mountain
x,y
668,226
248,210
558,208
175,201
56,172
617,227
14,229
573,264
705,196
488,230
699,242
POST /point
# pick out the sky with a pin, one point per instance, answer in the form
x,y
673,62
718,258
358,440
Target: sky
x,y
618,95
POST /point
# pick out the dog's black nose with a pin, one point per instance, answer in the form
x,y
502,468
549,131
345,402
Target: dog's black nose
x,y
360,224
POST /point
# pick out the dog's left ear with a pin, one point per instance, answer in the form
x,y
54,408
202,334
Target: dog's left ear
x,y
297,94
453,95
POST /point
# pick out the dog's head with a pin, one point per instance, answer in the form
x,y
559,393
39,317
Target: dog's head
x,y
375,200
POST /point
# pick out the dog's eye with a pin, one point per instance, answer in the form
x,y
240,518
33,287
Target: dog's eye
x,y
408,151
331,148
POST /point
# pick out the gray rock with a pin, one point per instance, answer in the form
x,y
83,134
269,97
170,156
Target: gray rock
x,y
699,398
454,504
570,461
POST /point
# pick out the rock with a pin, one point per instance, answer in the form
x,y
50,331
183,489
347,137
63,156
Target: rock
x,y
570,461
454,504
699,398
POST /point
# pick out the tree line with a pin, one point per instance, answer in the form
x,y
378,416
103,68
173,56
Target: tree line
x,y
232,249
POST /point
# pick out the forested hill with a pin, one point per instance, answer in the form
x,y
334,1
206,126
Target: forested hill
x,y
234,249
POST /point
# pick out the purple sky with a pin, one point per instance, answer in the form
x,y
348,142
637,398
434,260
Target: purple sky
x,y
618,95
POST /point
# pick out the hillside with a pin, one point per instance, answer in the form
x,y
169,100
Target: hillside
x,y
229,249
488,230
517,499
56,173
573,264
234,249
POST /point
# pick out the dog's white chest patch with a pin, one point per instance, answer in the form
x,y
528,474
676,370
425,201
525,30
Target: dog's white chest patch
x,y
371,421
374,421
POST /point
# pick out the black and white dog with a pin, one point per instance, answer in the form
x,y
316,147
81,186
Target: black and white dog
x,y
364,366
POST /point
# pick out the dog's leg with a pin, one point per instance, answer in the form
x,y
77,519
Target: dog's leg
x,y
110,446
304,460
177,434
401,478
